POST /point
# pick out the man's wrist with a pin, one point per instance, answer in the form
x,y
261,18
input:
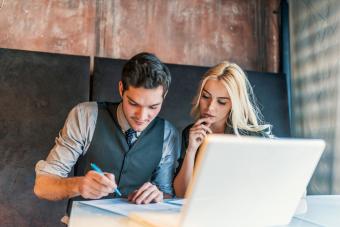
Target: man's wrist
x,y
167,196
73,186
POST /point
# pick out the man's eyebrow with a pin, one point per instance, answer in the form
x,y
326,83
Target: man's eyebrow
x,y
131,100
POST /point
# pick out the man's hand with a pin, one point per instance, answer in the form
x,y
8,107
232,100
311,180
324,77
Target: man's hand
x,y
94,186
146,194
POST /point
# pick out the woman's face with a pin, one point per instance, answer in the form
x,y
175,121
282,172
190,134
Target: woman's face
x,y
215,102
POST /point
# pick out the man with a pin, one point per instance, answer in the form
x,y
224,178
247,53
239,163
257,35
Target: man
x,y
136,149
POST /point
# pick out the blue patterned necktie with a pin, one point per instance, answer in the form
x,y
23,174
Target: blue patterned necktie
x,y
129,135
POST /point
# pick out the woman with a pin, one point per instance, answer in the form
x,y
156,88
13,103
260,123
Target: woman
x,y
224,104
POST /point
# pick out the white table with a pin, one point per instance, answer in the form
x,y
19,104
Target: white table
x,y
323,211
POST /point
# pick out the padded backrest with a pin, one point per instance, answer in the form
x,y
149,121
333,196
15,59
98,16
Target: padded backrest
x,y
37,90
270,90
271,93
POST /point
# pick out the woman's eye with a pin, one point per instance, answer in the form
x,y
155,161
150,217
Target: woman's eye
x,y
222,102
205,96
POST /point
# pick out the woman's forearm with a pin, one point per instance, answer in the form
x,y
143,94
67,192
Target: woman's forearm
x,y
184,176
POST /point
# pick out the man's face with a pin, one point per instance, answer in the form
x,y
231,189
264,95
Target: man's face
x,y
141,105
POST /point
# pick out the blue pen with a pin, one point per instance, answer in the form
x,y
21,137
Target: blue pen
x,y
98,170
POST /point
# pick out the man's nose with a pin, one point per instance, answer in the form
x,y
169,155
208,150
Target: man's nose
x,y
142,114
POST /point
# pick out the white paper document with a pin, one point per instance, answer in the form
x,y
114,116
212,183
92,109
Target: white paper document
x,y
124,207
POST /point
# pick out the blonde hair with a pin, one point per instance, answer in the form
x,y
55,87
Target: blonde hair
x,y
244,113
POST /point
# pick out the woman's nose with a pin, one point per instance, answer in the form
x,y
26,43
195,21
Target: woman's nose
x,y
211,105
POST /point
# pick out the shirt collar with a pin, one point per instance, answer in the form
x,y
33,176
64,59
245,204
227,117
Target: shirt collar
x,y
123,123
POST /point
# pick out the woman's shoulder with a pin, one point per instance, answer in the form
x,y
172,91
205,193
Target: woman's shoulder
x,y
186,131
187,128
266,133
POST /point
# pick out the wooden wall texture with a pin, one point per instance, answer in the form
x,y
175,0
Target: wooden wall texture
x,y
195,32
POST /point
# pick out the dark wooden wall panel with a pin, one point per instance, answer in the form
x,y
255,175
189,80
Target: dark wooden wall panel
x,y
48,26
37,90
194,32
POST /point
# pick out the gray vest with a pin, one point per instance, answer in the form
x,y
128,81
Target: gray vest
x,y
109,150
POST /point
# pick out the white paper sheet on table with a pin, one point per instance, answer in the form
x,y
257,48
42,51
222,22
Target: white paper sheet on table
x,y
124,207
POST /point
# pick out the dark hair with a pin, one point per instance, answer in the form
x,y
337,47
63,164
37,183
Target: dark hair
x,y
147,71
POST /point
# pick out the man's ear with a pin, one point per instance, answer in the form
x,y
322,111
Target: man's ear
x,y
121,89
165,94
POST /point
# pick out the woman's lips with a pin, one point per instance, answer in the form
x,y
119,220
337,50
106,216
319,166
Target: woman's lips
x,y
208,115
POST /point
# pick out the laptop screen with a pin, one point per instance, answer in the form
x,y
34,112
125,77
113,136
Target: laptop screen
x,y
247,181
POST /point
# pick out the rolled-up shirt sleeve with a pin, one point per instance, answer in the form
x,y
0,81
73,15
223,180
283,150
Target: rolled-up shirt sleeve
x,y
163,175
73,141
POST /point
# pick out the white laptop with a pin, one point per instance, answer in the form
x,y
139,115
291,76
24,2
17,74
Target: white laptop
x,y
244,181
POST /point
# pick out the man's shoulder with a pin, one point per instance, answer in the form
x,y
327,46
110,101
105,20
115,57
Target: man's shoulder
x,y
168,126
86,106
107,104
85,110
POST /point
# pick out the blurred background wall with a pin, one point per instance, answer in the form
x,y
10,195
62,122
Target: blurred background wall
x,y
315,61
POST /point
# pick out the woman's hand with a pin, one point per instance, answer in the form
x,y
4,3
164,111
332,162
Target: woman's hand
x,y
197,134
